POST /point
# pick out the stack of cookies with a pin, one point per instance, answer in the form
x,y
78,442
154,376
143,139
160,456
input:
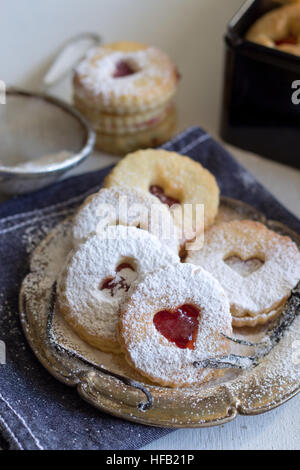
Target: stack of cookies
x,y
126,91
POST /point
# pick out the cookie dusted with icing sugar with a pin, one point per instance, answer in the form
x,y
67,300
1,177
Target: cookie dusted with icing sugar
x,y
98,276
174,317
126,78
271,268
125,206
175,180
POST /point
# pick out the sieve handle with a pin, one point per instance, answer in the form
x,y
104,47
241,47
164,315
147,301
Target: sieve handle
x,y
68,56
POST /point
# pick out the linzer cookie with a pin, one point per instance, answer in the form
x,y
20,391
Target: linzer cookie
x,y
126,89
270,268
98,276
174,317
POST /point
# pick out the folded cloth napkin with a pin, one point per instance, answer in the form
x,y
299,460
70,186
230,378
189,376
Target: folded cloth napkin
x,y
36,411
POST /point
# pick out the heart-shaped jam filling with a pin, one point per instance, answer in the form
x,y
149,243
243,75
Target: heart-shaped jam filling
x,y
287,40
179,326
160,194
244,268
122,280
123,69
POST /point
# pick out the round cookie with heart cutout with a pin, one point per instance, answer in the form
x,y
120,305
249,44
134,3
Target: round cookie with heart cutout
x,y
270,268
98,276
174,317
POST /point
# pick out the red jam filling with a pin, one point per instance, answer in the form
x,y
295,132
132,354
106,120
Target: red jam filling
x,y
160,194
124,266
179,326
118,282
178,75
155,142
123,69
287,40
111,284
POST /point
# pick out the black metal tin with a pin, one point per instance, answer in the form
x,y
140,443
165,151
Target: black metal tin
x,y
258,112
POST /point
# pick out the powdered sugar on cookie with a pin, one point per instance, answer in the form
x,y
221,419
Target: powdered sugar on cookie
x,y
265,289
149,351
98,276
98,71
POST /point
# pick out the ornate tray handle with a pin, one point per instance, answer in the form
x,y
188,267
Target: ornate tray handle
x,y
142,406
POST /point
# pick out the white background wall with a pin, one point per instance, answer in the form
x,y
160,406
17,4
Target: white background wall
x,y
191,31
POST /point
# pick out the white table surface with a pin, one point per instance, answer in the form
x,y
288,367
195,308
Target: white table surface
x,y
191,31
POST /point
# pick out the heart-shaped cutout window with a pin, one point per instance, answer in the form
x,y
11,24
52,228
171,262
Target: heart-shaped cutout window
x,y
179,326
244,267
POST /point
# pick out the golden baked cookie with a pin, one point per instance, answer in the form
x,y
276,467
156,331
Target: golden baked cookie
x,y
270,268
114,124
174,179
98,276
279,29
174,317
154,136
125,78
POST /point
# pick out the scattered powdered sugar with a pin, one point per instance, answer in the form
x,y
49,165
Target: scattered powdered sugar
x,y
46,163
125,206
97,71
35,234
276,376
264,289
48,259
167,289
91,310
